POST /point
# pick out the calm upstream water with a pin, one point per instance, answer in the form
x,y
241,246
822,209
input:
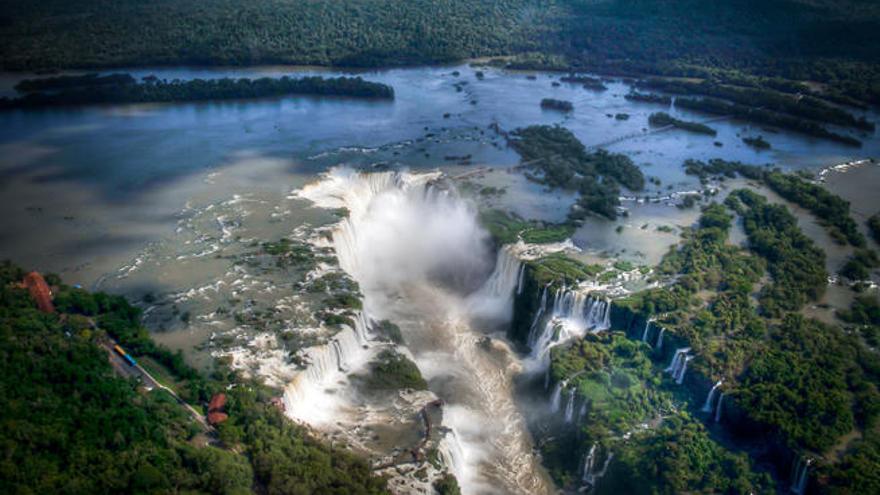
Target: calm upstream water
x,y
84,188
157,199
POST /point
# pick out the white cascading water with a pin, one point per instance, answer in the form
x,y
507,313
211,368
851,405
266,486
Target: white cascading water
x,y
707,406
308,396
659,344
572,314
589,461
678,367
718,407
520,278
799,476
583,411
645,332
569,405
556,396
679,375
589,475
414,248
494,300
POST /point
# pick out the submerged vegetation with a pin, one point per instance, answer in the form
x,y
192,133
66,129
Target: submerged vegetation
x,y
874,227
85,90
561,105
762,116
832,210
561,161
662,119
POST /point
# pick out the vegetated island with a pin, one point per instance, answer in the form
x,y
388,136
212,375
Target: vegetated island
x,y
757,142
122,88
663,119
556,158
588,82
561,105
762,116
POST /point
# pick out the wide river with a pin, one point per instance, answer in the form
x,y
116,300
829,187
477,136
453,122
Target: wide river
x,y
154,200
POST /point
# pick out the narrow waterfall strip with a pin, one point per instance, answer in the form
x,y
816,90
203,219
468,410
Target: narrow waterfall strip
x,y
556,397
679,378
645,332
800,476
673,365
452,453
718,407
569,406
520,278
589,461
659,344
707,406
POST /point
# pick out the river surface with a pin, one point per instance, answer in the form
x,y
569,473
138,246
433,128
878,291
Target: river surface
x,y
154,201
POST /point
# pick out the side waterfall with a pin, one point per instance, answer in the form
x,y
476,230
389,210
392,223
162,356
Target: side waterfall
x,y
589,475
495,298
589,461
799,476
569,406
556,396
645,332
304,396
452,453
659,344
707,406
718,407
678,366
572,314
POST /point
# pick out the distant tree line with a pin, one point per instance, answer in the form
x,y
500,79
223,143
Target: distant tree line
x,y
65,91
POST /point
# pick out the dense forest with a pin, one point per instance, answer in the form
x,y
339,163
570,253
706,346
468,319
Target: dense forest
x,y
71,425
830,42
792,383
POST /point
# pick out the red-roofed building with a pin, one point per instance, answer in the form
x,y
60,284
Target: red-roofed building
x,y
218,402
40,292
215,418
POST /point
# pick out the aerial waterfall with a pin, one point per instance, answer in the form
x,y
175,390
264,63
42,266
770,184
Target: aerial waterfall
x,y
718,407
659,345
679,377
707,406
678,366
556,396
800,475
645,332
305,396
572,314
569,405
589,461
453,455
423,261
589,474
494,300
